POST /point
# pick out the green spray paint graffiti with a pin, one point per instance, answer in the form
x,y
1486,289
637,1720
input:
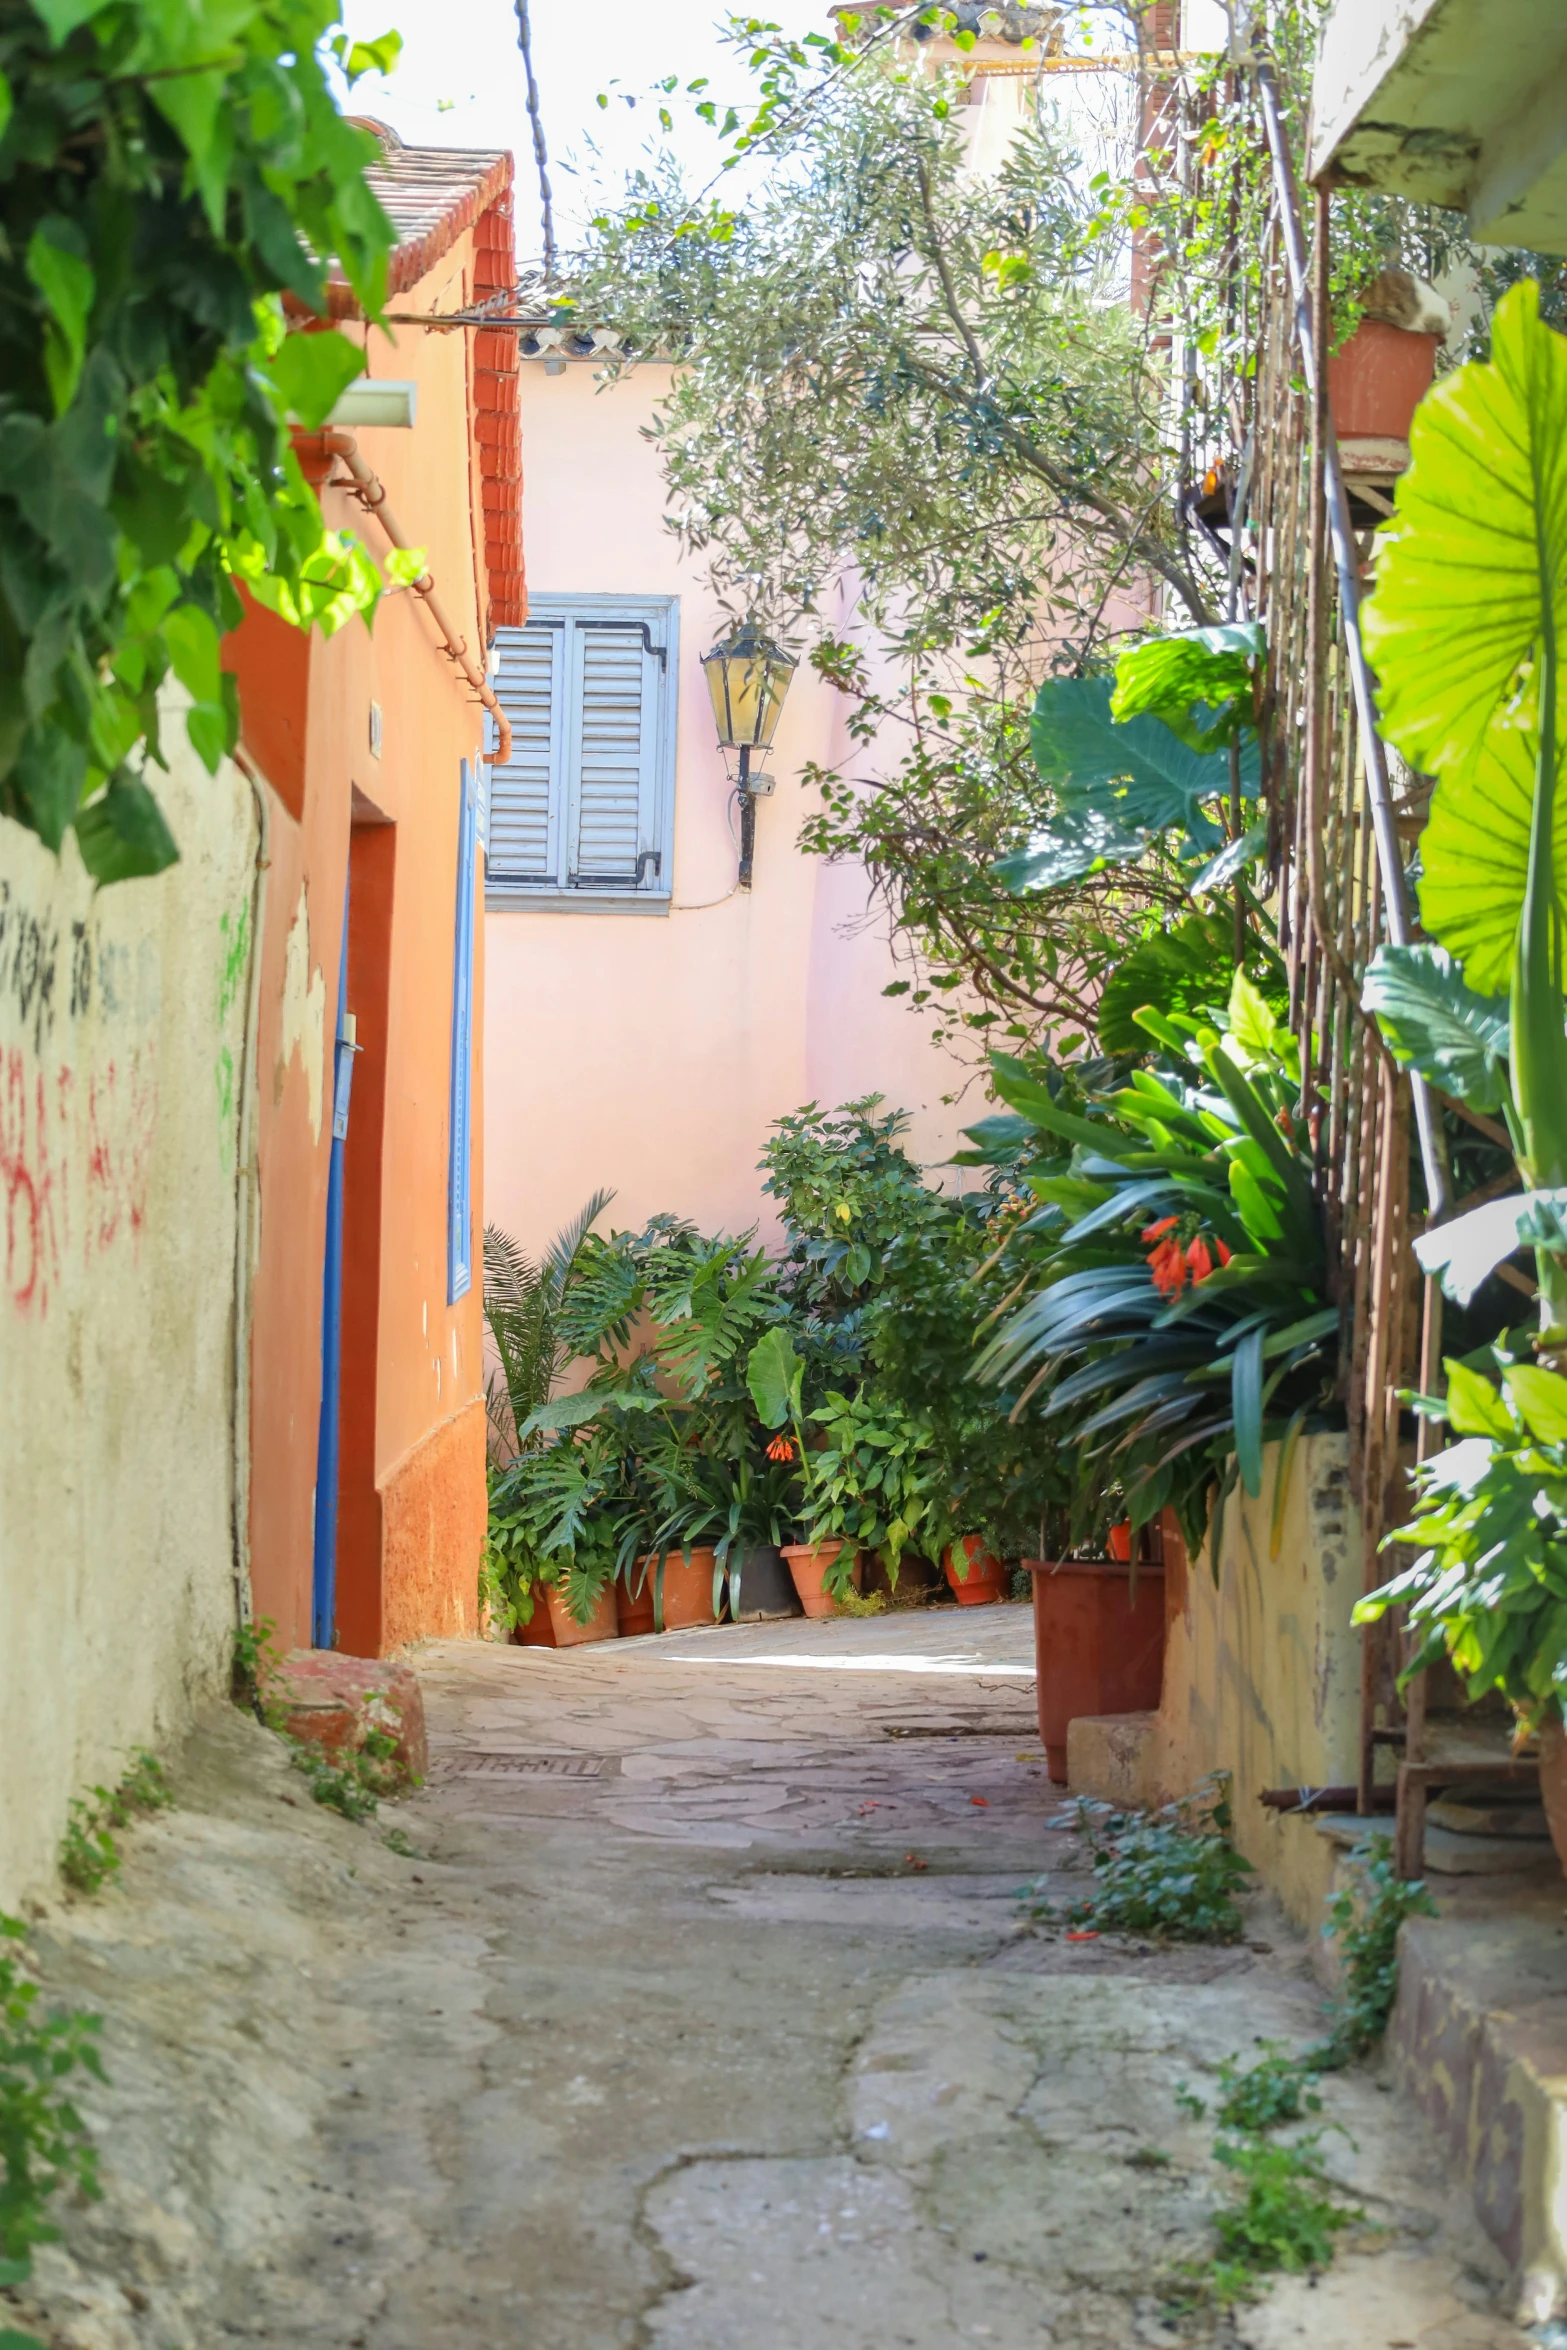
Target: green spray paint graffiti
x,y
233,968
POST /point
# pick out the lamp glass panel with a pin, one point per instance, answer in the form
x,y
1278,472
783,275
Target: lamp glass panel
x,y
747,683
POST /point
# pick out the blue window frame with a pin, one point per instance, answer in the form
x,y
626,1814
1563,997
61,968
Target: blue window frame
x,y
459,1234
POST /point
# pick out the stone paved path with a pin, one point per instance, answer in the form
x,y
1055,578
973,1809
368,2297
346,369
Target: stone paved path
x,y
705,2019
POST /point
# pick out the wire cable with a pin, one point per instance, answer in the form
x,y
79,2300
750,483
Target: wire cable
x,y
540,153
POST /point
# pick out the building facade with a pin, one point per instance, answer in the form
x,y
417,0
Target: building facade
x,y
367,1502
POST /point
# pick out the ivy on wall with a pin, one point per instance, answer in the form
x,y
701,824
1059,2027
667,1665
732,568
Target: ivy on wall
x,y
169,169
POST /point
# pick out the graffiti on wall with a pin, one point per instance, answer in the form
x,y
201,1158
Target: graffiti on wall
x,y
78,1096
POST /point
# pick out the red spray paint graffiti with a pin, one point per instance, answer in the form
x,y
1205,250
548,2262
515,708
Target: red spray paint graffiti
x,y
69,1184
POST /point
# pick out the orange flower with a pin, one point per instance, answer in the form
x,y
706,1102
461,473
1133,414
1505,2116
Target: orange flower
x,y
780,1449
1200,1259
1224,1254
1165,1224
1167,1264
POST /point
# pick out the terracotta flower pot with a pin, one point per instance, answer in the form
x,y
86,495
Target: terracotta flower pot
x,y
977,1577
1379,378
808,1564
1120,1539
539,1630
1098,1647
687,1589
602,1624
1553,1783
636,1615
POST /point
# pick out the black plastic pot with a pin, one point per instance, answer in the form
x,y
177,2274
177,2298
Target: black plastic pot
x,y
766,1587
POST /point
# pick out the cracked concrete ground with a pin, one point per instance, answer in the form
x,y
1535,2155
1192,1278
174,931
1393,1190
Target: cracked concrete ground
x,y
705,2019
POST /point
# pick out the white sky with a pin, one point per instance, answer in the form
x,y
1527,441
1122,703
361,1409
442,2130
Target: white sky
x,y
459,82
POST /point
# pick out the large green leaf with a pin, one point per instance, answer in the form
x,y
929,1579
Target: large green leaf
x,y
1199,681
1140,775
1437,1025
1069,850
775,1374
1465,1251
1481,524
1475,856
1188,969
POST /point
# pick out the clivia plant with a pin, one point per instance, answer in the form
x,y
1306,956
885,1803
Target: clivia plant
x,y
1176,1314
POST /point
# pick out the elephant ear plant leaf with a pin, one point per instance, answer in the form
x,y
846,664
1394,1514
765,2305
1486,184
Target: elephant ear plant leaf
x,y
1435,1023
775,1375
1120,784
1465,629
1201,682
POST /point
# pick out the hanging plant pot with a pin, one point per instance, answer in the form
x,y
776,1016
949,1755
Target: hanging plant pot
x,y
686,1589
635,1613
1098,1644
808,1565
976,1576
1379,378
602,1624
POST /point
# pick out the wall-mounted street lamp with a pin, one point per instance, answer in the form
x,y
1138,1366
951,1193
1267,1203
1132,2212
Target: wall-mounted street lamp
x,y
748,677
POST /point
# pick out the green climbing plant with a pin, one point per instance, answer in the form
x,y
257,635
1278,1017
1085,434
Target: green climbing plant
x,y
169,177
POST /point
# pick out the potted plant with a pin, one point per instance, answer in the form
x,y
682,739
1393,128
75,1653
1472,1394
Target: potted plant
x,y
1099,1633
1382,371
870,1491
974,1574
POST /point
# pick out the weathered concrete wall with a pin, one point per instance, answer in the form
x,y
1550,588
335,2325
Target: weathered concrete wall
x,y
1261,1674
1262,1669
122,1027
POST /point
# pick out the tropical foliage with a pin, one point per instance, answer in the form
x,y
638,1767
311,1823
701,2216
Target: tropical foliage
x,y
1489,1587
1467,627
735,1398
167,175
1176,1314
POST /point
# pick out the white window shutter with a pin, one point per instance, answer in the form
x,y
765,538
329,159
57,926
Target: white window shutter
x,y
614,695
525,794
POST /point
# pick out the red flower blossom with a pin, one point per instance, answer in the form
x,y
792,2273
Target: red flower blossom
x,y
1224,1254
1167,1264
1200,1259
1156,1231
780,1449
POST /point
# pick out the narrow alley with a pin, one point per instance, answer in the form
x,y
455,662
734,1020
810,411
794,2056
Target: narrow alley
x,y
699,2011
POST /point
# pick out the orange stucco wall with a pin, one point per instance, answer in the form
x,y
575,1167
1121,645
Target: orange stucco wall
x,y
411,1492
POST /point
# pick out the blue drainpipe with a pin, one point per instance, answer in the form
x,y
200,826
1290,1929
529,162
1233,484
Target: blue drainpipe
x,y
323,1602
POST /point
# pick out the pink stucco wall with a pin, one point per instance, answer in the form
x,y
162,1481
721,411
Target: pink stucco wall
x,y
651,1052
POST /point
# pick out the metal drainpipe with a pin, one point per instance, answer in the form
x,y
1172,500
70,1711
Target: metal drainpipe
x,y
371,493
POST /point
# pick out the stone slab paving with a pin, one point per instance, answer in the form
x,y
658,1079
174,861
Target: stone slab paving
x,y
705,2017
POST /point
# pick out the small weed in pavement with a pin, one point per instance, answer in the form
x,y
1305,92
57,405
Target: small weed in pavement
x,y
1285,2209
254,1666
89,1855
355,1781
1365,1923
44,2145
1173,1875
399,1841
